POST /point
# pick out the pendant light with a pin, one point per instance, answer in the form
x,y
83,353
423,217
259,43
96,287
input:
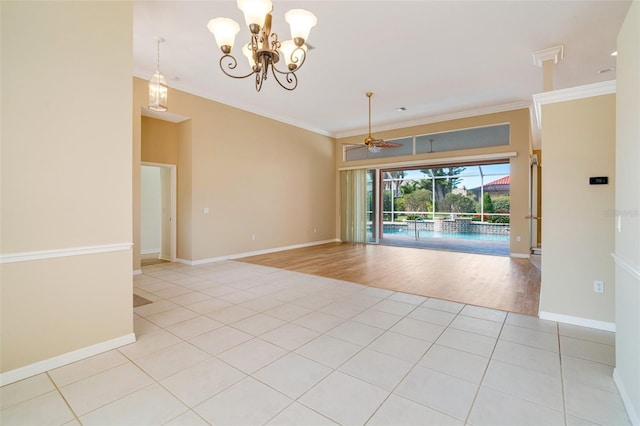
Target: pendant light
x,y
158,86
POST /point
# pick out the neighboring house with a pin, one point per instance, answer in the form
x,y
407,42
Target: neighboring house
x,y
496,188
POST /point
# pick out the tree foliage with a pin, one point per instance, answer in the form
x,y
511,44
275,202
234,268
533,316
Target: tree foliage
x,y
456,203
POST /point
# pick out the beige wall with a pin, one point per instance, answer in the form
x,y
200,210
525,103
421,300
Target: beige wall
x,y
520,143
66,177
627,211
257,176
578,141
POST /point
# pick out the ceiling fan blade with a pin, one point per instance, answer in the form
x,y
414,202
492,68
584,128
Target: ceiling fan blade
x,y
387,145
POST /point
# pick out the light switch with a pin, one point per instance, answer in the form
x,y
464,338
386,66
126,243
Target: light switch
x,y
206,210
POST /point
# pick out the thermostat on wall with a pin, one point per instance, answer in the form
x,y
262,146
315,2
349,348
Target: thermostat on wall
x,y
599,180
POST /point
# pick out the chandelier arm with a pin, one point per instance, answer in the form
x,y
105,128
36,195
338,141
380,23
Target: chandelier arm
x,y
291,80
232,64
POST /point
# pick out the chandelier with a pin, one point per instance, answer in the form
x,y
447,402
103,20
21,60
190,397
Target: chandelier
x,y
265,49
158,86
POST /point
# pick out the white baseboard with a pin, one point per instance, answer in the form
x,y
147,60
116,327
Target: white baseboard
x,y
137,272
64,359
520,255
252,253
150,251
584,322
626,400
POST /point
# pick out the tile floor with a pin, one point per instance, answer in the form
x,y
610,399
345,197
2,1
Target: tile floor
x,y
231,343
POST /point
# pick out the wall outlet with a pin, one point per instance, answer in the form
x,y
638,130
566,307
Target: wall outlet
x,y
253,237
598,286
518,238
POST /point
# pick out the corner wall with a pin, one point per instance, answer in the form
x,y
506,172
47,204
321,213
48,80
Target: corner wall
x,y
578,141
66,183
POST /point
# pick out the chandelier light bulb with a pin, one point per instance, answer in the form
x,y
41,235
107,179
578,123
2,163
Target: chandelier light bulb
x,y
292,54
224,31
301,21
255,12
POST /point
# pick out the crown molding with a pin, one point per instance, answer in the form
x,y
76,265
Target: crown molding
x,y
570,94
554,54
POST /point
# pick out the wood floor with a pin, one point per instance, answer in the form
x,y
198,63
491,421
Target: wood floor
x,y
498,282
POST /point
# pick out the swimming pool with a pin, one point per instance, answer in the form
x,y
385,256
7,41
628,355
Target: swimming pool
x,y
404,232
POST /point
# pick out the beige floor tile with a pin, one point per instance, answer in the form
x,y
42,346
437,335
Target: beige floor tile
x,y
484,313
356,332
155,308
528,357
329,351
258,324
105,387
297,414
454,362
377,319
412,299
290,336
288,312
220,339
376,368
596,405
400,346
533,323
577,421
466,341
494,408
152,405
173,316
231,314
142,326
292,374
395,306
530,337
46,409
208,306
399,411
418,329
149,343
433,316
173,291
524,383
194,327
343,309
188,418
262,303
344,399
171,360
589,334
441,392
190,298
82,369
477,325
252,355
200,382
581,371
248,402
319,321
24,390
443,305
585,349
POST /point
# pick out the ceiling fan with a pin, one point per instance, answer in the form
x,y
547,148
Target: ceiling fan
x,y
371,143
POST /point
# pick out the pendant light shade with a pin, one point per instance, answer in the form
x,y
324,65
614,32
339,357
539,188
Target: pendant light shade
x,y
158,87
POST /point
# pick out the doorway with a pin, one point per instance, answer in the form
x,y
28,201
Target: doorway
x,y
158,212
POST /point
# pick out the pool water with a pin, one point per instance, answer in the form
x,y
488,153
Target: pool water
x,y
394,231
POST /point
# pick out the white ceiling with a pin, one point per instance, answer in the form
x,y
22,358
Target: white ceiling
x,y
436,58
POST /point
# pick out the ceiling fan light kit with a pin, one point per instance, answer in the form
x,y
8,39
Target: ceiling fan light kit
x,y
265,49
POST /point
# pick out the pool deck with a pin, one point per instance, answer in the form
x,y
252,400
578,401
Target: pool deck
x,y
498,248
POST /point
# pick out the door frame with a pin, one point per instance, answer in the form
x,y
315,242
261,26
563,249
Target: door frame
x,y
174,201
